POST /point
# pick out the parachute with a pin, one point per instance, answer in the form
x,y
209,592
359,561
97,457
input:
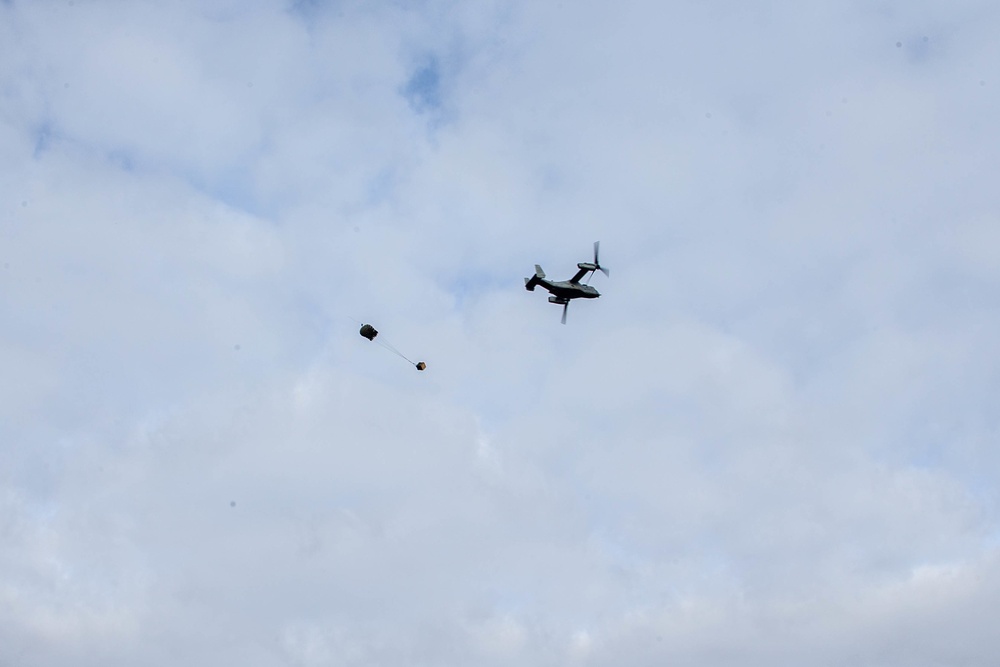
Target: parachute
x,y
369,332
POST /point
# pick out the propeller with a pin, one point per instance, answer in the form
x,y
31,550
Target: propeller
x,y
596,265
565,308
597,248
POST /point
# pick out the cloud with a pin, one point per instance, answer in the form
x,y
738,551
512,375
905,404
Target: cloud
x,y
770,440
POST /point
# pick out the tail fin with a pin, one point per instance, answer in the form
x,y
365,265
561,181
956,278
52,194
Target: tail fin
x,y
529,283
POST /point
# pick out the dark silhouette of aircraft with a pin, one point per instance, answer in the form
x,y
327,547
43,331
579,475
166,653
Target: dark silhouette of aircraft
x,y
563,291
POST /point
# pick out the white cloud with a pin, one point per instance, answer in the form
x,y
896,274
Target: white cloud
x,y
771,440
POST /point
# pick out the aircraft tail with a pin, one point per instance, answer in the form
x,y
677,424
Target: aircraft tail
x,y
529,283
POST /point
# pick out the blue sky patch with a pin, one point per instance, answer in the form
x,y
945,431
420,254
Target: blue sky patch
x,y
423,90
43,138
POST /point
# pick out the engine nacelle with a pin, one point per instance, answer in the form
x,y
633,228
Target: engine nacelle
x,y
558,299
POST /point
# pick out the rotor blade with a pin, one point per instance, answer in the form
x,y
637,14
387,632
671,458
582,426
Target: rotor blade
x,y
565,308
597,263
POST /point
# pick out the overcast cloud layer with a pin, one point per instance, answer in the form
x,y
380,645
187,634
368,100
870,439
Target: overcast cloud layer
x,y
773,440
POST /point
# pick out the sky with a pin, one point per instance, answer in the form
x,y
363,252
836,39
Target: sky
x,y
772,440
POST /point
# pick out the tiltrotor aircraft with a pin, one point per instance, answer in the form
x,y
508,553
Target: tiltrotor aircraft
x,y
564,291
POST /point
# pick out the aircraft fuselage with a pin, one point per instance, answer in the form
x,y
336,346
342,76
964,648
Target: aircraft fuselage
x,y
564,289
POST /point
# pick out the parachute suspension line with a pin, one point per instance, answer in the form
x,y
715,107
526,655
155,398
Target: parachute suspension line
x,y
388,346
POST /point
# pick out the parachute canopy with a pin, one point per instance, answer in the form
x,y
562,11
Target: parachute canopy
x,y
421,365
368,331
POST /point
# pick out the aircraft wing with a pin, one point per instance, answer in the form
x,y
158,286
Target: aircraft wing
x,y
579,274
